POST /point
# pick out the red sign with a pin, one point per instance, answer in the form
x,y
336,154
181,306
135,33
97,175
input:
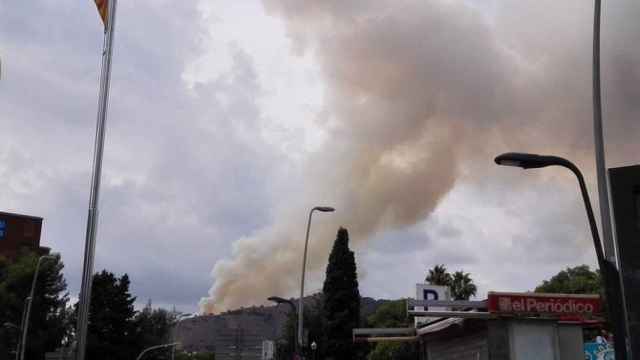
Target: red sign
x,y
559,305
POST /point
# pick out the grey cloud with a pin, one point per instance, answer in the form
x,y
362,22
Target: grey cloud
x,y
180,178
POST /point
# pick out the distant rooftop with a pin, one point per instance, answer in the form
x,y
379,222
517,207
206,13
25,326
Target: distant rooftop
x,y
20,215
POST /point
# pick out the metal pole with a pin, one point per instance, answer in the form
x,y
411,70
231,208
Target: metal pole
x,y
23,337
25,326
609,275
603,193
24,312
610,254
92,217
304,264
592,220
173,349
278,301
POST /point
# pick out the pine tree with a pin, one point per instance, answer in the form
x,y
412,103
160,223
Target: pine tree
x,y
341,300
153,327
111,325
47,325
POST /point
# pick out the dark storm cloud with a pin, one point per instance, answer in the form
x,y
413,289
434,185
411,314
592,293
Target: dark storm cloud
x,y
180,178
421,96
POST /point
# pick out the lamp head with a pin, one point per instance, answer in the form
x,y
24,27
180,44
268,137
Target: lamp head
x,y
276,299
524,160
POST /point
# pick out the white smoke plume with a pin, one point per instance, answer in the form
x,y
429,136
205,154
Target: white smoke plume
x,y
417,92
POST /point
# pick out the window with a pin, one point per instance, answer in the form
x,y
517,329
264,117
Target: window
x,y
3,229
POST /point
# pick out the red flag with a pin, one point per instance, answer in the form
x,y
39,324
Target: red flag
x,y
103,9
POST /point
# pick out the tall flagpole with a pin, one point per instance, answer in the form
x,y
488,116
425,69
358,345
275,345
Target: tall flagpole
x,y
92,218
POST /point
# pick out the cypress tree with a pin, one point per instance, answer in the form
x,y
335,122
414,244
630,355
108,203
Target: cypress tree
x,y
341,300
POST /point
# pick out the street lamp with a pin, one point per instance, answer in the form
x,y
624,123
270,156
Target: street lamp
x,y
173,345
533,161
278,300
24,313
610,277
25,326
304,264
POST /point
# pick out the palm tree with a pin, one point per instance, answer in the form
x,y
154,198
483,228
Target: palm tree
x,y
439,276
462,286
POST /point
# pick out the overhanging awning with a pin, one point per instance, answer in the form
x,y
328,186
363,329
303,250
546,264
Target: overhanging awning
x,y
384,334
439,326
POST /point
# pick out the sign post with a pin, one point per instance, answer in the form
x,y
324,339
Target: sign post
x,y
430,292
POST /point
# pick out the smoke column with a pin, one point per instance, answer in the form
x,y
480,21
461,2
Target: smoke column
x,y
418,93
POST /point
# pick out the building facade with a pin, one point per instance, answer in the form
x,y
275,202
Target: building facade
x,y
232,336
19,232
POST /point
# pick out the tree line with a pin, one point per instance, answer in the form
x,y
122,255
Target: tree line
x,y
116,330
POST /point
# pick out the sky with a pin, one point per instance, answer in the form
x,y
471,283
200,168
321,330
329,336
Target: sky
x,y
228,121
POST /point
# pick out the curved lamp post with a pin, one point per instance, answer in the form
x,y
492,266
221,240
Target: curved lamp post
x,y
304,264
610,277
278,300
174,344
25,326
24,313
533,161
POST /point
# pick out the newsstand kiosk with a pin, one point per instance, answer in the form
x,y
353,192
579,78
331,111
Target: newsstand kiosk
x,y
506,326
